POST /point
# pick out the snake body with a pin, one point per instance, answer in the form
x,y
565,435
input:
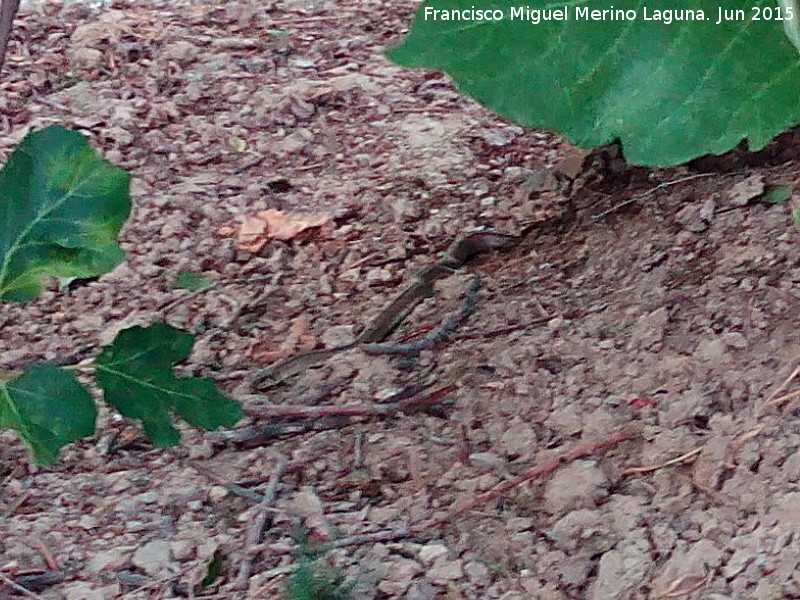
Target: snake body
x,y
369,340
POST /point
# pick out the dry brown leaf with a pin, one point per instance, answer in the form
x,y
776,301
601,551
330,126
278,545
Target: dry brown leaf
x,y
284,226
252,234
257,230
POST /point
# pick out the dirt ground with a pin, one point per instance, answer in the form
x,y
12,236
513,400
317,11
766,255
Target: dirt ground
x,y
672,319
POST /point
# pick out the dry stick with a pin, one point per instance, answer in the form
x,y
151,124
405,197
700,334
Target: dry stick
x,y
267,587
637,197
253,163
8,9
773,397
675,591
358,450
733,449
485,335
233,488
287,411
536,472
549,467
254,535
42,100
369,538
15,586
170,304
784,398
648,468
36,543
12,508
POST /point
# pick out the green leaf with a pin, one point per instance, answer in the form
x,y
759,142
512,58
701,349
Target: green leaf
x,y
136,375
776,194
192,282
317,581
48,408
213,569
669,92
61,208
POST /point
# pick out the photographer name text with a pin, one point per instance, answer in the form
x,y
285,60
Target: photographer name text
x,y
584,13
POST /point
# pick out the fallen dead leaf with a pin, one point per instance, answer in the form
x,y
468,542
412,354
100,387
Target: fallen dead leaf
x,y
257,230
284,226
252,234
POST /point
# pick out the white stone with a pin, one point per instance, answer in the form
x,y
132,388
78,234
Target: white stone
x,y
430,552
153,557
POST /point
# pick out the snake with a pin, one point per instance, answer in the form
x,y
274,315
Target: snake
x,y
459,253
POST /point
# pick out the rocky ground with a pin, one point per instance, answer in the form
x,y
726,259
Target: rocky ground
x,y
665,310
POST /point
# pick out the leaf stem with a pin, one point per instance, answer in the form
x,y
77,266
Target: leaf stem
x,y
87,365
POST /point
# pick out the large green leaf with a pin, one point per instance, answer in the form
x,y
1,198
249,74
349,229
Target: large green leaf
x,y
191,282
48,408
135,372
61,208
669,92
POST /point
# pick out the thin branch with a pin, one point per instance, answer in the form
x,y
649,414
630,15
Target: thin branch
x,y
534,473
369,538
774,397
293,411
674,461
257,529
170,304
8,10
653,190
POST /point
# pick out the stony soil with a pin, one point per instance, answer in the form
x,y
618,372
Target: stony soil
x,y
673,318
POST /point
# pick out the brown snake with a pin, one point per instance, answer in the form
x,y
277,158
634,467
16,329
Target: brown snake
x,y
457,255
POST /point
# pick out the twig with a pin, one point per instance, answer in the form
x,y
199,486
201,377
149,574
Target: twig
x,y
290,411
369,538
299,20
740,441
358,450
486,335
784,385
42,100
12,508
637,197
10,369
682,458
253,163
534,473
257,529
36,543
267,586
15,586
363,260
774,397
8,9
170,304
675,591
278,572
233,488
